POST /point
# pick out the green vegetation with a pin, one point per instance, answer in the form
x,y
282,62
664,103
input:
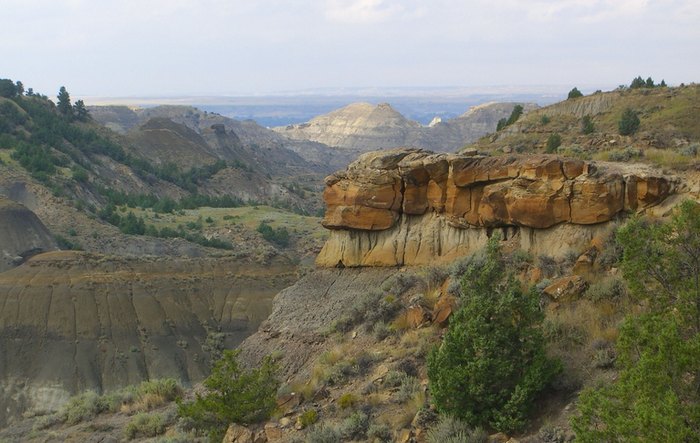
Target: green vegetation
x,y
656,395
574,93
639,82
145,425
514,116
553,142
587,126
234,395
279,236
64,106
307,418
453,430
143,397
492,362
629,122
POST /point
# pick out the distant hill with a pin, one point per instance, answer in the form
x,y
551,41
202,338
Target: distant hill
x,y
275,153
366,127
668,133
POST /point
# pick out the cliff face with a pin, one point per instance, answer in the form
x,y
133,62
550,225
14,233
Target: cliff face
x,y
22,234
409,206
73,321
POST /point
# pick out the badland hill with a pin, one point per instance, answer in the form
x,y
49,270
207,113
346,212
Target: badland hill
x,y
353,336
366,127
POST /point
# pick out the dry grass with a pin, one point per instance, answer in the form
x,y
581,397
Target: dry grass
x,y
144,403
668,158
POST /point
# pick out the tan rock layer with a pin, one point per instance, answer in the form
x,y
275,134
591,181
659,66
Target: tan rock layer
x,y
473,191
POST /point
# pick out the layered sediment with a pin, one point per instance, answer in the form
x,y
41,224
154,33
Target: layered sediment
x,y
410,207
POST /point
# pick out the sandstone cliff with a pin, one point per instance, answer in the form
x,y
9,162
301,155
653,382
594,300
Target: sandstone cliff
x,y
409,207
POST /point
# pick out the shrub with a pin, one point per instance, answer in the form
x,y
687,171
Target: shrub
x,y
409,387
323,434
624,155
347,400
545,120
379,432
146,396
381,330
234,395
435,275
340,372
85,406
492,362
453,430
548,265
279,236
553,142
355,427
145,425
551,434
587,126
307,418
425,417
399,283
609,288
628,123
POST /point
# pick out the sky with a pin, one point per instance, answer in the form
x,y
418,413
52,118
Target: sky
x,y
123,48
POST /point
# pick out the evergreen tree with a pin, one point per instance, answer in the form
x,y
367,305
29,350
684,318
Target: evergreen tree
x,y
657,394
80,111
20,87
629,122
574,93
649,83
501,124
64,106
8,88
553,142
662,84
638,83
234,395
587,126
515,115
492,362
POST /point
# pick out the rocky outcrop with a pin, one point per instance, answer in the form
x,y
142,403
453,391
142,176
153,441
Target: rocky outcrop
x,y
409,206
303,313
366,127
22,234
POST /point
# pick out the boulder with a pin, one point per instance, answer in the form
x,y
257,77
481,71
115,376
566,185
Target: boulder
x,y
566,288
238,434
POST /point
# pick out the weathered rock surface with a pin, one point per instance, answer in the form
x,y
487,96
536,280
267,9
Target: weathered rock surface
x,y
72,321
408,206
366,127
22,234
302,314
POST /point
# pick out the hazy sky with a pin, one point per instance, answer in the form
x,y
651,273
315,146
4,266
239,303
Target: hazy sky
x,y
188,47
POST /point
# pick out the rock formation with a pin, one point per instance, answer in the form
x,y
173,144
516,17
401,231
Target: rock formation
x,y
72,321
408,206
22,234
366,127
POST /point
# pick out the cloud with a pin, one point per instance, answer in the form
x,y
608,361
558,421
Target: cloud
x,y
362,11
